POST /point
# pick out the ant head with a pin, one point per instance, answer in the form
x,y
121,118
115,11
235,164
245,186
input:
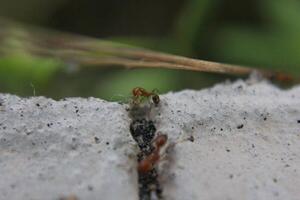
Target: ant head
x,y
161,140
155,99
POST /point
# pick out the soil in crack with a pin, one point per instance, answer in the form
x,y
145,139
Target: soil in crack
x,y
143,132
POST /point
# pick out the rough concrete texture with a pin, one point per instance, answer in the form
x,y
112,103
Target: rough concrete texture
x,y
246,143
246,146
54,149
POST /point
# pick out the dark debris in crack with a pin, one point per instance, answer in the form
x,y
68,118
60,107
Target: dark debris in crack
x,y
144,132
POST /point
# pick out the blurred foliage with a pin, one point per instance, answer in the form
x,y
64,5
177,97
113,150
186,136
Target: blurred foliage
x,y
275,46
22,74
261,33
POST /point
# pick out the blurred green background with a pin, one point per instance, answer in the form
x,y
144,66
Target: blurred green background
x,y
260,33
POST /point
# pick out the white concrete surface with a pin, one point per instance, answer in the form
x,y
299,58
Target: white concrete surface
x,y
247,143
247,146
48,150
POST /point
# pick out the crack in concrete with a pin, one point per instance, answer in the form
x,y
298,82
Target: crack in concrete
x,y
144,132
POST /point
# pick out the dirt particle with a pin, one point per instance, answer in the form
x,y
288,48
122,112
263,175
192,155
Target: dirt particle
x,y
240,126
276,194
228,150
143,131
90,188
275,180
37,104
231,176
191,138
97,140
74,144
107,143
253,146
298,121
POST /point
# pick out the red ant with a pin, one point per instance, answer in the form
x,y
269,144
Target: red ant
x,y
148,163
139,92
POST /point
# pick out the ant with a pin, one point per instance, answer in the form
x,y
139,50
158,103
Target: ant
x,y
139,92
147,164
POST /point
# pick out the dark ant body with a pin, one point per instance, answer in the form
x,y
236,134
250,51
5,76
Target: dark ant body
x,y
139,92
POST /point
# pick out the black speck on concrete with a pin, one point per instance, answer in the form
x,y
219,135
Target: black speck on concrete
x,y
240,126
90,188
191,138
97,140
